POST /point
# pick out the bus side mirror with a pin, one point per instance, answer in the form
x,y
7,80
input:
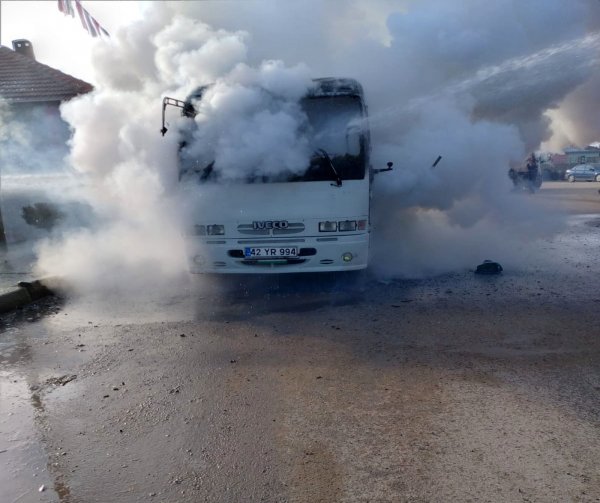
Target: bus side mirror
x,y
389,168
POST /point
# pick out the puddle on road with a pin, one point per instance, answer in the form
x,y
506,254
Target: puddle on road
x,y
593,222
24,460
22,456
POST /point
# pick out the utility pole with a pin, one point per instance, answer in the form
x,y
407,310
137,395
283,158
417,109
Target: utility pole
x,y
2,234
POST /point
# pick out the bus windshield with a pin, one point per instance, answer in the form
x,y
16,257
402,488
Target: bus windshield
x,y
335,130
336,133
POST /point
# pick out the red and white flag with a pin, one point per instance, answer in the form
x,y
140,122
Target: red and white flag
x,y
88,22
66,7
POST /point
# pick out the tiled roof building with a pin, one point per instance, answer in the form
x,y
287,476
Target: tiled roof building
x,y
25,80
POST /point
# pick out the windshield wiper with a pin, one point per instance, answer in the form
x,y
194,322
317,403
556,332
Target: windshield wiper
x,y
203,174
207,171
323,153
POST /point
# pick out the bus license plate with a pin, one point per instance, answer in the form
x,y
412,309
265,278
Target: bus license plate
x,y
281,252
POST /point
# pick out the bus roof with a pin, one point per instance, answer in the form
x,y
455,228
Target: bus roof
x,y
327,86
330,86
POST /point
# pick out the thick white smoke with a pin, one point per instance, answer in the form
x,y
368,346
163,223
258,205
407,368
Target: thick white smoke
x,y
40,194
250,117
249,122
469,80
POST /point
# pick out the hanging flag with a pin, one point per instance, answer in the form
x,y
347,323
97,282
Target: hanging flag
x,y
90,23
87,20
66,7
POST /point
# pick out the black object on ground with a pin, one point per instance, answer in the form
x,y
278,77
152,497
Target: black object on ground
x,y
488,267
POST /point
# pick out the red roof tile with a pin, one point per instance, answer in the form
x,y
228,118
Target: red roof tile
x,y
25,80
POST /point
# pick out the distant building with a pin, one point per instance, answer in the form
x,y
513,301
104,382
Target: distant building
x,y
560,161
554,166
588,155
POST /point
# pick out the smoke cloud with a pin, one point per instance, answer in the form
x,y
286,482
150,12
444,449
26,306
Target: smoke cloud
x,y
480,83
40,194
249,122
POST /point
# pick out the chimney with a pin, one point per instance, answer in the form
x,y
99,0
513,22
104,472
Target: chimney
x,y
23,47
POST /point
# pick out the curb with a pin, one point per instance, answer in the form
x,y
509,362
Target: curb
x,y
26,292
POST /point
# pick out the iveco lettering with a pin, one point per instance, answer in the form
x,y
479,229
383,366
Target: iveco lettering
x,y
270,224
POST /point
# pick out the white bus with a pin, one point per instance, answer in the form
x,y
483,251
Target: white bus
x,y
314,222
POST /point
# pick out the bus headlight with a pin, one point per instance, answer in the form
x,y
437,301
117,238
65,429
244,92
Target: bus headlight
x,y
327,226
347,257
347,225
198,230
207,230
215,230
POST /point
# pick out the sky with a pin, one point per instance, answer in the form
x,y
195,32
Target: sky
x,y
60,41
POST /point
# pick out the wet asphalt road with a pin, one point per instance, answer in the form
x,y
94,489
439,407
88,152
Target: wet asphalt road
x,y
307,389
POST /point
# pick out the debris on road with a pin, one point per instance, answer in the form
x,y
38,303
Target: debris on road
x,y
489,267
403,301
62,380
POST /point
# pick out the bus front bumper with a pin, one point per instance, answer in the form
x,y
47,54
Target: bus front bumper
x,y
315,254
